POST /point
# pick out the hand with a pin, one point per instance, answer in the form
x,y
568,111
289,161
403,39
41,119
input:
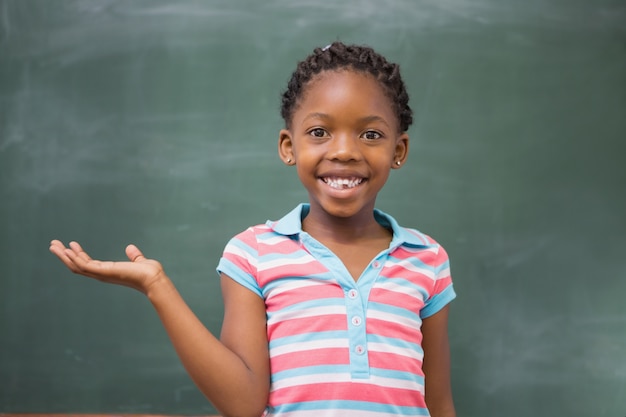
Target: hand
x,y
140,273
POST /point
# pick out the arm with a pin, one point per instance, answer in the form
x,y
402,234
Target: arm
x,y
436,364
233,374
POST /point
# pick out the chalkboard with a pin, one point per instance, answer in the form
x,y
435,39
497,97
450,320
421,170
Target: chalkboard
x,y
156,122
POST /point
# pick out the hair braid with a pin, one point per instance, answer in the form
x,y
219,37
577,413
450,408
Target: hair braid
x,y
339,56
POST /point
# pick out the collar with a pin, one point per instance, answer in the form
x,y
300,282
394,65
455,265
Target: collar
x,y
291,225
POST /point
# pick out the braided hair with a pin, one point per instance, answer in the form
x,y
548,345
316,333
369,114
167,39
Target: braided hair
x,y
338,56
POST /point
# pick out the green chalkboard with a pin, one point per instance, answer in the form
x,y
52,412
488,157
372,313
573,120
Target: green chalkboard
x,y
156,122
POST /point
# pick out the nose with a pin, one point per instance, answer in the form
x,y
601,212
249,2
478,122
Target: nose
x,y
344,147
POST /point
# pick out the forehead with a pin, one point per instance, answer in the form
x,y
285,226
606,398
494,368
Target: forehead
x,y
345,91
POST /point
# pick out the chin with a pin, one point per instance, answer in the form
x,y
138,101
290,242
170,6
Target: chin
x,y
344,210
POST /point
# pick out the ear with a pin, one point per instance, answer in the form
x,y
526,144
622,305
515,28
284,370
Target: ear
x,y
401,152
285,147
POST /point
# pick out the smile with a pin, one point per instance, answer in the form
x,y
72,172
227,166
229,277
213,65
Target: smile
x,y
342,183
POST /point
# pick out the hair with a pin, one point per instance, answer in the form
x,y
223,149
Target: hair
x,y
338,56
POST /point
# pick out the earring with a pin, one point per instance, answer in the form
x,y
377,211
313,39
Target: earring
x,y
398,163
288,160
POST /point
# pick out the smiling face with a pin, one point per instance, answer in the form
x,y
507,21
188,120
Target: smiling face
x,y
343,138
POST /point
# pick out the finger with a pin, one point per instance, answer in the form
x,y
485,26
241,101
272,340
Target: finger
x,y
66,257
84,265
58,249
75,263
57,246
76,260
134,254
75,246
55,242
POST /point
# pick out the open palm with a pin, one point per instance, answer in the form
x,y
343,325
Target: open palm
x,y
138,273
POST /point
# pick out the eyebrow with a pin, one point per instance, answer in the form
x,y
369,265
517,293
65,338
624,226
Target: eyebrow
x,y
366,119
316,115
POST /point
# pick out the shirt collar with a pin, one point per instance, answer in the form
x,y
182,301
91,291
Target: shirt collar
x,y
291,224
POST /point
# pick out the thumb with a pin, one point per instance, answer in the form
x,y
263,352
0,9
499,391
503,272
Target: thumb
x,y
134,254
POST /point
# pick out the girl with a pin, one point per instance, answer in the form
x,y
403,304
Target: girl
x,y
333,310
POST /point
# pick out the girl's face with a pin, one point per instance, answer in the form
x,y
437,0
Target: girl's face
x,y
343,140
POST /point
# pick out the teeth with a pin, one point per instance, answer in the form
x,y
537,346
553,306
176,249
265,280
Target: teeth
x,y
343,183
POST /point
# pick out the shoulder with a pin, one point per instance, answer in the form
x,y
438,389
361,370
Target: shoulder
x,y
419,247
289,225
252,234
408,236
418,240
262,240
423,238
255,230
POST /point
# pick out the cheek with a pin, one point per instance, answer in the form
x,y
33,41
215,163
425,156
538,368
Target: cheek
x,y
383,158
307,155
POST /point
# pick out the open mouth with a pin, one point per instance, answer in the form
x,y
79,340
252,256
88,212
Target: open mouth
x,y
342,183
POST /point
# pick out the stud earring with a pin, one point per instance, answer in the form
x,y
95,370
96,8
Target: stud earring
x,y
288,160
398,163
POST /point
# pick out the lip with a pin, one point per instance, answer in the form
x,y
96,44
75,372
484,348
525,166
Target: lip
x,y
342,181
341,173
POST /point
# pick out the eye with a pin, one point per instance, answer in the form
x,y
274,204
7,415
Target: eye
x,y
372,135
318,132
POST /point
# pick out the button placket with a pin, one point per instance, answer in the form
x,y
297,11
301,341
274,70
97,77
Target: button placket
x,y
359,362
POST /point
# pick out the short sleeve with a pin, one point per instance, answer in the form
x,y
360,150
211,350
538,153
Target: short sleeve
x,y
443,290
239,261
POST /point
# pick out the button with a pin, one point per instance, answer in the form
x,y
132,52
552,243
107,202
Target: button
x,y
376,264
353,294
359,349
356,320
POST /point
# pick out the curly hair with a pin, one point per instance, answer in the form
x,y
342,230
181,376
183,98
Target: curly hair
x,y
338,56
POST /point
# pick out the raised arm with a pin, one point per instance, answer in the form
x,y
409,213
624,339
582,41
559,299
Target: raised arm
x,y
437,364
233,374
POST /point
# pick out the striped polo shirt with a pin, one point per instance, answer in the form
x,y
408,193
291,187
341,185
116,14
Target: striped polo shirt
x,y
340,347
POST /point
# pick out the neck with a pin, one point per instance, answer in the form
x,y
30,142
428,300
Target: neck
x,y
325,227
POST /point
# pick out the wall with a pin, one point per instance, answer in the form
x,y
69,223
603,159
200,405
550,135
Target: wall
x,y
156,123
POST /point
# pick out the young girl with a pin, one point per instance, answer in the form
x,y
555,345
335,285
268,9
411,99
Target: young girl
x,y
333,310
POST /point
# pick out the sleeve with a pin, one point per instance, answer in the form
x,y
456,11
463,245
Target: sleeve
x,y
239,261
443,290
